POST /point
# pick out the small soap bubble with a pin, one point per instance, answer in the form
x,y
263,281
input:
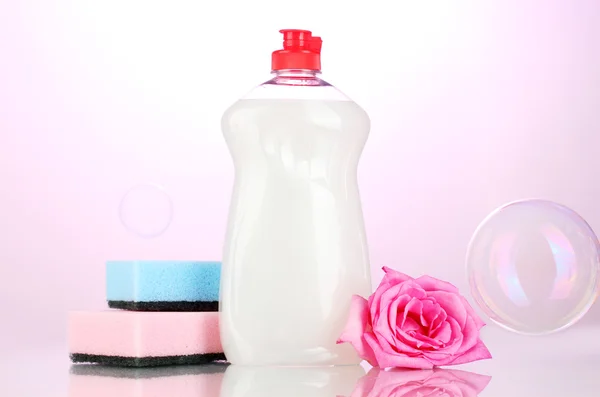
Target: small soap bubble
x,y
146,210
533,267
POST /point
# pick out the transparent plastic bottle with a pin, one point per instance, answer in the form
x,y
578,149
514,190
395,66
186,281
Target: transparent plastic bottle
x,y
295,250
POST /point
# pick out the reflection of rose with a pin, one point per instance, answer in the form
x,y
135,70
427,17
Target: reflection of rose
x,y
414,323
420,383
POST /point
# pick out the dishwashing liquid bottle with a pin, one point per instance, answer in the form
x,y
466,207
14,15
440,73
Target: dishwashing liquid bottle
x,y
295,250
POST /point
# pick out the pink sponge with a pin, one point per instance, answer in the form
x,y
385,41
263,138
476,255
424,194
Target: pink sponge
x,y
141,339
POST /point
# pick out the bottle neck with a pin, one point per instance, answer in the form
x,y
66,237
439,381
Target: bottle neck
x,y
297,77
296,73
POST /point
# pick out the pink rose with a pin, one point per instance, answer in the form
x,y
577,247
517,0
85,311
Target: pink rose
x,y
409,383
414,323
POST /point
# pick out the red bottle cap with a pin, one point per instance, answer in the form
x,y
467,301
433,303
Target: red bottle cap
x,y
301,50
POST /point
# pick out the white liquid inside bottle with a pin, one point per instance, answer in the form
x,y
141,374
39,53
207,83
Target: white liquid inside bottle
x,y
295,249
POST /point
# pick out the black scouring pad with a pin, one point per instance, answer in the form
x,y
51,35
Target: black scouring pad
x,y
119,361
165,306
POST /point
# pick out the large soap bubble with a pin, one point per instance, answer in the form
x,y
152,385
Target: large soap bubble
x,y
533,266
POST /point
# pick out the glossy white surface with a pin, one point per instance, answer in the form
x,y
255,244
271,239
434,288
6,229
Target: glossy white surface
x,y
560,365
240,381
296,250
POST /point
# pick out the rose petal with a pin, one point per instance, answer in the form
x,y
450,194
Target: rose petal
x,y
384,295
414,307
438,321
382,324
456,338
413,290
409,324
428,342
356,327
380,313
471,313
470,336
478,352
429,311
401,345
433,284
394,277
446,354
387,360
391,292
452,304
396,305
439,359
410,344
443,333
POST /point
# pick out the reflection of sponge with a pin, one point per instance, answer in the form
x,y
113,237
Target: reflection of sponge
x,y
163,285
181,381
141,339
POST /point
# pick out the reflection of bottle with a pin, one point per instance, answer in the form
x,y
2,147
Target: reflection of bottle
x,y
245,381
295,250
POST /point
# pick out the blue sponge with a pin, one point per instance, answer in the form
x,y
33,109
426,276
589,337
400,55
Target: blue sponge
x,y
163,285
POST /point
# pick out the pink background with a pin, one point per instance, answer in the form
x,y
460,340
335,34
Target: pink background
x,y
472,105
